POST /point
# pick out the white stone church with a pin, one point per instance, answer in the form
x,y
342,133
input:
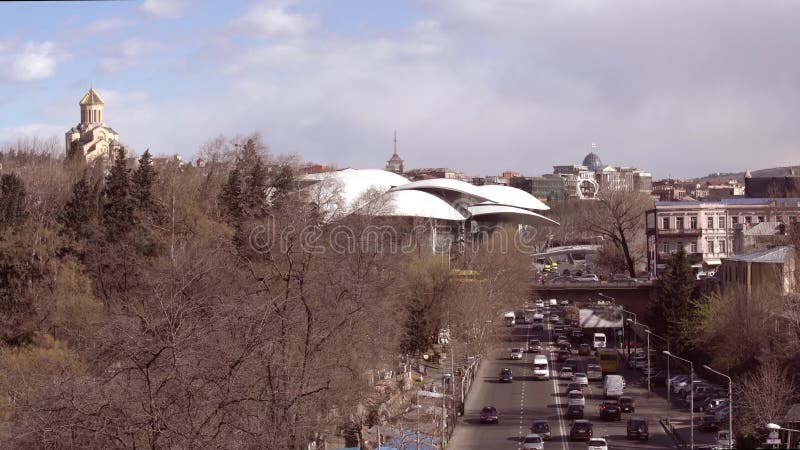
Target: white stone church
x,y
92,139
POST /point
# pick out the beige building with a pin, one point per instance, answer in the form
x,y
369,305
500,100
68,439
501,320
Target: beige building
x,y
92,138
705,230
769,271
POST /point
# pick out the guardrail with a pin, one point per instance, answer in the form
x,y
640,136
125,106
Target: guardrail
x,y
670,429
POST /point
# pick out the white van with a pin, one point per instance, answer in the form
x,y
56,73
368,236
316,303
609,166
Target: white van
x,y
613,386
553,302
509,318
541,369
538,322
599,340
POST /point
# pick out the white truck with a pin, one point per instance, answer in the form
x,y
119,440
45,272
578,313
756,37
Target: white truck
x,y
509,318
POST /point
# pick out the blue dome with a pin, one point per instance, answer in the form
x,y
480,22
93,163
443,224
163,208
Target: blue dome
x,y
592,161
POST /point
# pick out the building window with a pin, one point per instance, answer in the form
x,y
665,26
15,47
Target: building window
x,y
679,223
693,247
679,246
760,219
779,219
721,221
748,219
665,223
710,220
710,246
665,247
693,222
735,220
722,246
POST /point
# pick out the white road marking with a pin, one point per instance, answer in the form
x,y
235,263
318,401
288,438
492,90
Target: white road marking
x,y
554,377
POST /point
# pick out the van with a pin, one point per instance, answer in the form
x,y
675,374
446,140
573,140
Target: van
x,y
613,386
538,322
553,302
541,369
599,340
509,318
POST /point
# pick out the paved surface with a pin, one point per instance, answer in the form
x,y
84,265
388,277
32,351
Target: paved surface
x,y
524,400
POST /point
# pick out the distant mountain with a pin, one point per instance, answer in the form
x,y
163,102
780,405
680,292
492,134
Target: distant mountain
x,y
721,177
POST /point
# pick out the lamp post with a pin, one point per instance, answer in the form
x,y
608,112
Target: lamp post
x,y
691,393
614,301
776,427
634,334
669,401
730,403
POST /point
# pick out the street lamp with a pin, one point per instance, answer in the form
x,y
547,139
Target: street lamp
x,y
614,301
669,401
634,334
691,393
776,427
730,403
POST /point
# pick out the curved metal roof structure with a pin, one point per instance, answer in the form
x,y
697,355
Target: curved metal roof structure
x,y
511,196
448,189
509,214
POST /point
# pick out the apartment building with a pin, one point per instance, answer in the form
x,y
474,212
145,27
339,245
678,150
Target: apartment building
x,y
705,230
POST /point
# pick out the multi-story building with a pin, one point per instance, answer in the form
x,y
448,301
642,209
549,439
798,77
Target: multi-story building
x,y
548,187
668,190
705,230
585,180
772,187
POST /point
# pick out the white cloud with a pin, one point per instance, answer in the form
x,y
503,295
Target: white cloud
x,y
32,62
107,24
129,54
273,20
164,9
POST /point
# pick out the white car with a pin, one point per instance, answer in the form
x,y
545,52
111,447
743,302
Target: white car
x,y
533,442
594,373
566,373
539,303
576,398
587,278
516,353
597,444
580,378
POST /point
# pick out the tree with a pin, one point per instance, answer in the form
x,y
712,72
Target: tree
x,y
619,217
417,337
672,306
118,208
79,211
763,396
12,200
255,189
232,197
142,183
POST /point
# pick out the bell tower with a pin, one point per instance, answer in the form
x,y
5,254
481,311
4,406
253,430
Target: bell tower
x,y
91,108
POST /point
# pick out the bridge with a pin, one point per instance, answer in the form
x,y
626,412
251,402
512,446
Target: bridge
x,y
634,297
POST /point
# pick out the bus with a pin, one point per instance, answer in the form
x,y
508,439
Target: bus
x,y
609,360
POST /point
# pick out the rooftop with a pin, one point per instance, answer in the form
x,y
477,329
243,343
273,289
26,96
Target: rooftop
x,y
770,255
793,202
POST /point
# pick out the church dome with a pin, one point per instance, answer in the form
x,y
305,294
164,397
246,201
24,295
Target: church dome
x,y
592,161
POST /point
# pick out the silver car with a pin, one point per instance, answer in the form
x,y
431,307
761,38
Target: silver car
x,y
533,442
516,353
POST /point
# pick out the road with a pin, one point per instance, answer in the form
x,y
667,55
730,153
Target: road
x,y
526,399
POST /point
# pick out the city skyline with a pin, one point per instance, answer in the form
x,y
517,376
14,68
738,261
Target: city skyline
x,y
478,88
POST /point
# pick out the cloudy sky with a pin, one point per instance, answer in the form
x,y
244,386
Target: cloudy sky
x,y
677,88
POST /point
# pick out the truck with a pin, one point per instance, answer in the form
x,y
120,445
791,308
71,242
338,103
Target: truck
x,y
509,318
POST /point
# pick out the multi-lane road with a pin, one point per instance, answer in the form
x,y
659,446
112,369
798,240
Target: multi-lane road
x,y
525,400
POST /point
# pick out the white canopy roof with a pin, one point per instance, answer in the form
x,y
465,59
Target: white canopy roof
x,y
445,187
509,214
511,196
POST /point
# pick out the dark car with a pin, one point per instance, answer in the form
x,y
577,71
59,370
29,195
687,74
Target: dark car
x,y
574,412
581,430
506,376
489,415
572,362
566,347
574,387
627,404
542,428
584,349
637,429
558,329
576,333
709,423
534,346
609,410
563,355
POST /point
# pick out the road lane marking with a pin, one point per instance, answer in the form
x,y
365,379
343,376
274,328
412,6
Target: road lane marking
x,y
554,377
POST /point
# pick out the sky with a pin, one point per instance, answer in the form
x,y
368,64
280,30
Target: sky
x,y
680,89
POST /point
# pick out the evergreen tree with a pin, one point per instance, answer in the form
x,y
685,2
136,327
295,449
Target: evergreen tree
x,y
673,305
142,183
79,211
255,189
12,200
232,196
117,207
416,339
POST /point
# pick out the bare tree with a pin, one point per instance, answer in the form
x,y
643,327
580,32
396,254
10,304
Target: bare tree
x,y
763,397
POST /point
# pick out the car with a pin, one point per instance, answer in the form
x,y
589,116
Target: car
x,y
539,303
712,404
675,379
638,429
566,347
554,317
584,349
542,428
516,353
587,278
489,415
594,372
563,303
627,404
597,444
573,412
572,363
620,278
609,410
709,423
533,442
506,376
563,355
576,398
581,378
636,360
576,334
534,346
574,387
566,373
562,340
581,429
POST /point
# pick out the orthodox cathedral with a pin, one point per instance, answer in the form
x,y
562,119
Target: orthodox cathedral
x,y
92,139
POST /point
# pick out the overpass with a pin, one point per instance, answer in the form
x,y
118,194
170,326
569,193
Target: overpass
x,y
633,297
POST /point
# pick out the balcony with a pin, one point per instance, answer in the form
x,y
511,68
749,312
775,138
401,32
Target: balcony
x,y
694,258
679,232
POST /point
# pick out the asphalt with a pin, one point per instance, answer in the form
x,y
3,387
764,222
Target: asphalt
x,y
525,400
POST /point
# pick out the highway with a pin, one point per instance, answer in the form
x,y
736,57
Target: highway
x,y
525,400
